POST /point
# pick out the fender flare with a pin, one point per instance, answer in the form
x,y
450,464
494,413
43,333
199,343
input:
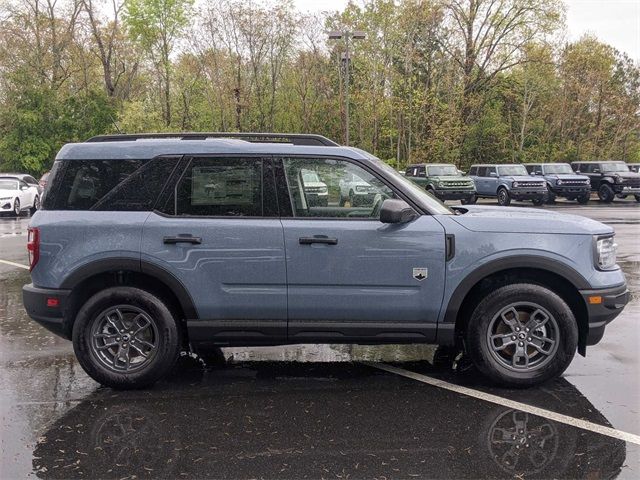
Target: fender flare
x,y
135,265
509,263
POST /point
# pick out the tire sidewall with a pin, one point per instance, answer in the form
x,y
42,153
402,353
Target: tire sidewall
x,y
168,337
606,193
492,304
503,197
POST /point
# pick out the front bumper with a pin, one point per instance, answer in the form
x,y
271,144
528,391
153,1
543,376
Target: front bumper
x,y
52,318
603,305
454,194
571,190
317,199
528,194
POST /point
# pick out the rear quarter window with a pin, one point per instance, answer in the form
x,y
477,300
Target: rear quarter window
x,y
108,185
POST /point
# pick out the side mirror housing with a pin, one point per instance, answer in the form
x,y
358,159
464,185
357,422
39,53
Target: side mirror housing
x,y
396,211
493,174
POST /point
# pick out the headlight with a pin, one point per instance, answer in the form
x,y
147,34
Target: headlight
x,y
606,253
515,184
323,190
618,179
559,182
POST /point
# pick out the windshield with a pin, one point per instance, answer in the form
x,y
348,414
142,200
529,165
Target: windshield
x,y
443,170
434,204
557,168
8,184
614,167
512,170
310,177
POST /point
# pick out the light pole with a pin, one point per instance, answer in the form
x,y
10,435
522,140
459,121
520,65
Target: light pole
x,y
347,35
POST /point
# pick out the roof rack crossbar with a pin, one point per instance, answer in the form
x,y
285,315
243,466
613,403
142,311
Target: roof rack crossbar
x,y
294,138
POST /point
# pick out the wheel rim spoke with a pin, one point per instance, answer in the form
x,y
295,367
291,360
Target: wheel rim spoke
x,y
124,338
523,336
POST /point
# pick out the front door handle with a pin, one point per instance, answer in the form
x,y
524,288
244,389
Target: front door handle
x,y
183,239
318,239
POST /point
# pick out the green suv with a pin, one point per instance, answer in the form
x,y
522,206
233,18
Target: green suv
x,y
443,181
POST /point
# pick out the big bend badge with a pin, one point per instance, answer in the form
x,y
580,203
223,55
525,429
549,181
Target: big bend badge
x,y
420,273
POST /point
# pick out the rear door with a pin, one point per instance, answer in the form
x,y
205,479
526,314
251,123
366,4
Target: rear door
x,y
351,277
217,230
491,181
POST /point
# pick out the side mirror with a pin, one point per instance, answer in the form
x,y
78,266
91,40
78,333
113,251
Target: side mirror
x,y
596,170
396,211
577,171
493,174
24,187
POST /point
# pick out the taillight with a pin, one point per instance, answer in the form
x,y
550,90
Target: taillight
x,y
33,246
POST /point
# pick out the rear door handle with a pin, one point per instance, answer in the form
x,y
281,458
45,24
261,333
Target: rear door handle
x,y
318,239
183,239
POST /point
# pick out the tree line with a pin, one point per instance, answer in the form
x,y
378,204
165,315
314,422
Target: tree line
x,y
457,81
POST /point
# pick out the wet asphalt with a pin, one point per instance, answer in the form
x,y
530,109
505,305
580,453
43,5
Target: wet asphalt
x,y
314,411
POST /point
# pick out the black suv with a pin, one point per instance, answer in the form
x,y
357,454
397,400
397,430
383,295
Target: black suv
x,y
610,179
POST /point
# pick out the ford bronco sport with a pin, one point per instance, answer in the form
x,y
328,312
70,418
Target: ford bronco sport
x,y
508,182
443,181
150,244
610,179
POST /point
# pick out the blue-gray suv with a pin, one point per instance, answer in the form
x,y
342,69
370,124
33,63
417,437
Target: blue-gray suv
x,y
150,245
508,182
562,181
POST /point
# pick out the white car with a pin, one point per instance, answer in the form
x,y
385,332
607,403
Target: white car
x,y
315,189
16,196
356,191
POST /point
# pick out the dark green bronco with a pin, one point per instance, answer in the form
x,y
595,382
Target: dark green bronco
x,y
443,181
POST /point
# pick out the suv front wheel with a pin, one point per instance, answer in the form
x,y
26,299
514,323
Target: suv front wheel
x,y
125,338
606,193
521,335
504,198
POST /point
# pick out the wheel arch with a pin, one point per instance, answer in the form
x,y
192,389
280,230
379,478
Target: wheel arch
x,y
98,275
560,278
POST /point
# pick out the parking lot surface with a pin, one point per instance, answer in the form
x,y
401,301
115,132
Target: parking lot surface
x,y
319,411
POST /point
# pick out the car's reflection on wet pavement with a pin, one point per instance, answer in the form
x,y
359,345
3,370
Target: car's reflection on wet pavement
x,y
305,420
311,411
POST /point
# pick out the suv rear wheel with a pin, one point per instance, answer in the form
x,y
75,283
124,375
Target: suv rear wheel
x,y
521,335
125,338
606,193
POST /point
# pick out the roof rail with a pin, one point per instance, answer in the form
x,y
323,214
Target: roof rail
x,y
294,138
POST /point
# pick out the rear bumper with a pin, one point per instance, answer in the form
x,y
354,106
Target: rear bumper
x,y
35,302
603,310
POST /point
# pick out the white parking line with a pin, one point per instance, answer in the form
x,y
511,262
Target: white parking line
x,y
505,402
14,264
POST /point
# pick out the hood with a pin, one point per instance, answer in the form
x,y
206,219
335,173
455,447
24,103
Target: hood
x,y
523,178
8,193
630,175
479,218
567,176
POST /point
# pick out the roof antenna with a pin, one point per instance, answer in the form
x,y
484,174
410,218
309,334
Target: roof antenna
x,y
115,124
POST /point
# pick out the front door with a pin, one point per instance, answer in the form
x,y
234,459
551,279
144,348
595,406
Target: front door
x,y
349,276
218,232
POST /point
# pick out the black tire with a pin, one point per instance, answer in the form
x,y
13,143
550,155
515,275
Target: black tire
x,y
162,332
500,362
551,198
606,193
584,199
471,200
36,205
504,198
538,201
637,198
352,199
17,210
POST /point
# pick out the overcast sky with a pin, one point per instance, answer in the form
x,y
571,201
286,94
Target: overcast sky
x,y
616,22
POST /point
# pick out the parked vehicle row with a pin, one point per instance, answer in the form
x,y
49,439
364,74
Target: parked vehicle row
x,y
507,182
20,192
